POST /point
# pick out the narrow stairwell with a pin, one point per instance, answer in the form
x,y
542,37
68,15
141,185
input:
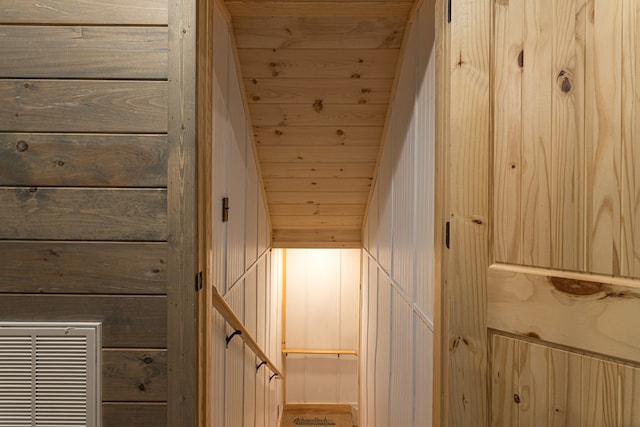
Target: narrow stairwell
x,y
295,415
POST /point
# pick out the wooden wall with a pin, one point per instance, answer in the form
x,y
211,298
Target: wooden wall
x,y
96,189
322,287
236,254
399,255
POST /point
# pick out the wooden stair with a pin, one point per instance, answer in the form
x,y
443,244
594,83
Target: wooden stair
x,y
296,415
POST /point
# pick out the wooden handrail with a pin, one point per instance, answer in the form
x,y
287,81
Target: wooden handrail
x,y
335,352
230,317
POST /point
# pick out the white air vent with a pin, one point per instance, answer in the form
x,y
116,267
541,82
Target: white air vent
x,y
49,374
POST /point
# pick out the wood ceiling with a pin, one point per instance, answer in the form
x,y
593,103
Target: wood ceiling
x,y
318,76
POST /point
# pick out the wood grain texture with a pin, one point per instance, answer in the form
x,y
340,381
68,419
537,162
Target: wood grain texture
x,y
311,198
317,114
71,267
317,135
313,155
134,414
507,161
630,137
582,311
317,170
306,209
318,8
308,91
77,214
134,376
313,32
467,133
126,321
536,132
83,160
320,184
83,106
318,222
318,238
83,52
603,135
182,216
150,12
319,63
558,387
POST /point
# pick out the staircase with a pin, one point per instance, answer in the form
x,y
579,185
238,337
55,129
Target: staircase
x,y
296,415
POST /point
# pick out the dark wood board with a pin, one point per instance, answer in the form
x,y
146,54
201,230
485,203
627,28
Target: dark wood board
x,y
134,415
134,376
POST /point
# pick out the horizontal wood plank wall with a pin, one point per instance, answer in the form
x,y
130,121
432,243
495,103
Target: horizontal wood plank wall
x,y
398,268
537,384
85,190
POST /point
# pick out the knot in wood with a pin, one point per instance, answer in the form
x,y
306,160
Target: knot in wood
x,y
317,105
22,146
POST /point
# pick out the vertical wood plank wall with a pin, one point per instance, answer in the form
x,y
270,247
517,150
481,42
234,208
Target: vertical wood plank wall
x,y
97,189
239,259
322,301
397,346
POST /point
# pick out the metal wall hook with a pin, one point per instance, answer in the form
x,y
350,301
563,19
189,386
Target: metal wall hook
x,y
271,377
230,337
260,365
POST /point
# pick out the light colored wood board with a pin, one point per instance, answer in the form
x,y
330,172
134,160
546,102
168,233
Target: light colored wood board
x,y
71,267
533,389
314,198
299,210
317,170
83,160
83,52
312,155
467,132
134,414
567,152
603,135
508,162
319,222
134,376
83,214
313,32
630,138
320,184
83,106
565,379
600,392
127,321
146,12
504,381
317,135
305,238
537,247
629,395
319,8
319,63
592,315
317,114
308,91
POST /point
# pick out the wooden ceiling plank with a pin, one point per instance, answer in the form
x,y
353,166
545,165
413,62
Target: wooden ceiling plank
x,y
318,197
319,63
311,32
318,114
317,135
307,91
319,8
335,222
310,210
317,170
304,238
311,154
317,184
